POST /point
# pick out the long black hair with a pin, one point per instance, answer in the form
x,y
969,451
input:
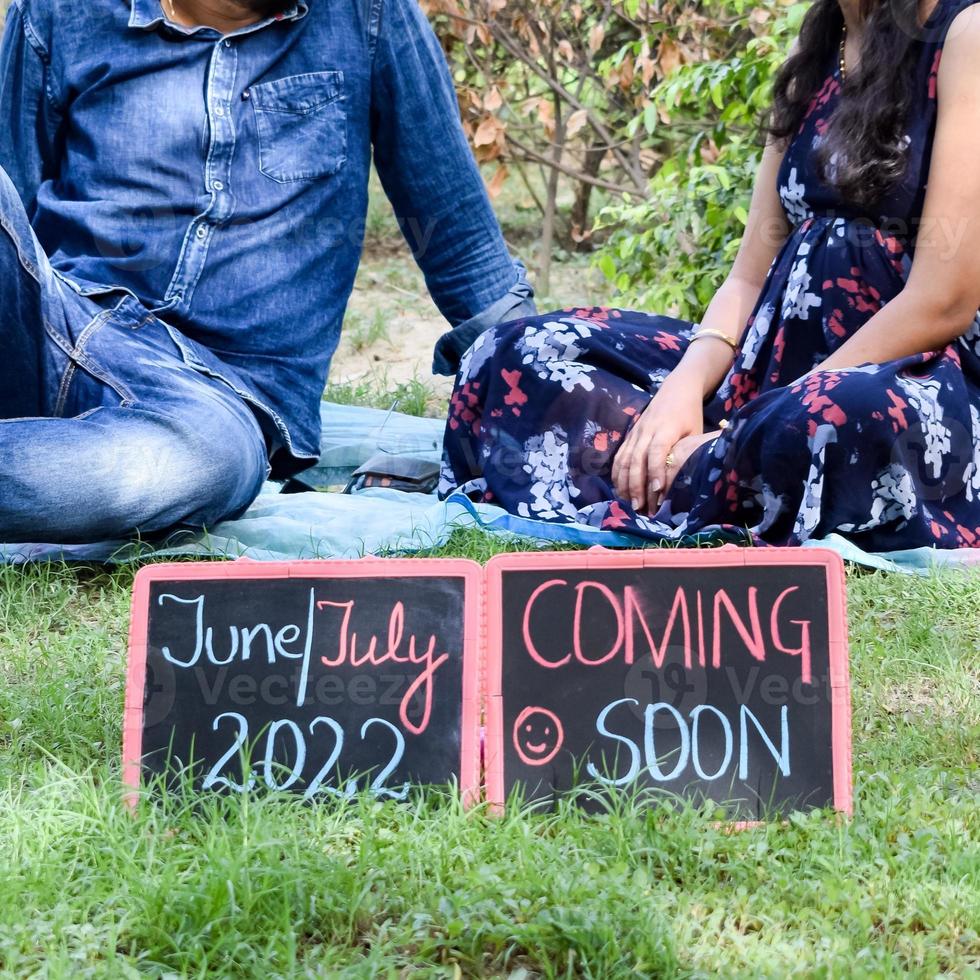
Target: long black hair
x,y
866,138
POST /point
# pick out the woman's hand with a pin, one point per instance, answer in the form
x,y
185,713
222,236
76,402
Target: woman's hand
x,y
640,469
682,452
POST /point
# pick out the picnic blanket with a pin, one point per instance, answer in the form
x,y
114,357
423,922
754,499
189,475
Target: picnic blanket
x,y
376,521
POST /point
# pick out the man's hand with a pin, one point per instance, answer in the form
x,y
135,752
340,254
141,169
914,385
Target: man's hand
x,y
640,469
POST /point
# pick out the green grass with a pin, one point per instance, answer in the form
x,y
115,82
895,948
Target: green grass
x,y
363,332
413,397
269,888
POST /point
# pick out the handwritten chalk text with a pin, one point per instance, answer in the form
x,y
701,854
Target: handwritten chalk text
x,y
327,637
695,623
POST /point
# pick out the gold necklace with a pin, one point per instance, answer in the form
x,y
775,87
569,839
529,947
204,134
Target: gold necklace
x,y
843,53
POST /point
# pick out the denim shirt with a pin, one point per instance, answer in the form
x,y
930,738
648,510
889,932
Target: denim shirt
x,y
223,180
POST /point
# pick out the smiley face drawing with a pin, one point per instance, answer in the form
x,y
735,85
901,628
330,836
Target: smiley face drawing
x,y
538,736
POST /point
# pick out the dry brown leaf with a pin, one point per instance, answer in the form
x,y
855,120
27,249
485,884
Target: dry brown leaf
x,y
627,72
488,131
496,185
577,121
494,100
596,36
709,153
671,57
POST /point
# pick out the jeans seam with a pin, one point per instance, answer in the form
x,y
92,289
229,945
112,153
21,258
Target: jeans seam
x,y
127,399
89,413
29,266
57,339
80,356
66,380
34,272
90,328
374,30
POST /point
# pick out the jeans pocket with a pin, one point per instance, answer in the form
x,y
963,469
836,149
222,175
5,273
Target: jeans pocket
x,y
301,123
86,386
93,378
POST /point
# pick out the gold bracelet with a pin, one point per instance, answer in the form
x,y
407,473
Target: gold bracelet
x,y
717,335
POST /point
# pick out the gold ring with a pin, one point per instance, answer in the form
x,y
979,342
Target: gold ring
x,y
671,461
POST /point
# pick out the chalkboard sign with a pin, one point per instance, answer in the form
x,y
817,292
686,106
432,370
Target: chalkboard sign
x,y
318,678
711,675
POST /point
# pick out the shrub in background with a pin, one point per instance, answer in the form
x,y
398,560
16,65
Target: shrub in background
x,y
586,102
669,251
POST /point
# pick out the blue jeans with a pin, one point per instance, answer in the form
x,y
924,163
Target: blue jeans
x,y
106,430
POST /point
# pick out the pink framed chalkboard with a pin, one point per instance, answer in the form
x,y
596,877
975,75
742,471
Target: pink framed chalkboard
x,y
417,691
716,674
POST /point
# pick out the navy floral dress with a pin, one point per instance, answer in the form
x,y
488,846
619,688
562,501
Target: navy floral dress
x,y
887,455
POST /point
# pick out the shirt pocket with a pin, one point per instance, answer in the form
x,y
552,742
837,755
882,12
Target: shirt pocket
x,y
301,123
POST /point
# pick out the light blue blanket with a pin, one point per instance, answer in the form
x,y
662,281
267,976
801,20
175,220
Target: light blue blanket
x,y
281,527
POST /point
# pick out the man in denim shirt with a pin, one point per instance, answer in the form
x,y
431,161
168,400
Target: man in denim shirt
x,y
182,197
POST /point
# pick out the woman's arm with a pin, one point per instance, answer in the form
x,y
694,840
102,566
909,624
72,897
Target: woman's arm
x,y
765,234
677,412
942,296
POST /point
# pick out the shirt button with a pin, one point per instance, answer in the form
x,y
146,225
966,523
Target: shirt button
x,y
219,110
217,185
227,44
202,232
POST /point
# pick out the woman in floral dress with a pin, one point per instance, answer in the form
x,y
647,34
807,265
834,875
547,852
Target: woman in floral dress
x,y
834,383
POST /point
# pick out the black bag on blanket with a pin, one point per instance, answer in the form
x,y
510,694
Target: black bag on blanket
x,y
410,474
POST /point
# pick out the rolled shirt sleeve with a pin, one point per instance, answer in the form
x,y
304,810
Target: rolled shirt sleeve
x,y
517,303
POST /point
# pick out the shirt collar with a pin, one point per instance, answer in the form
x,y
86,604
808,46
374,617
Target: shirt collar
x,y
147,14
